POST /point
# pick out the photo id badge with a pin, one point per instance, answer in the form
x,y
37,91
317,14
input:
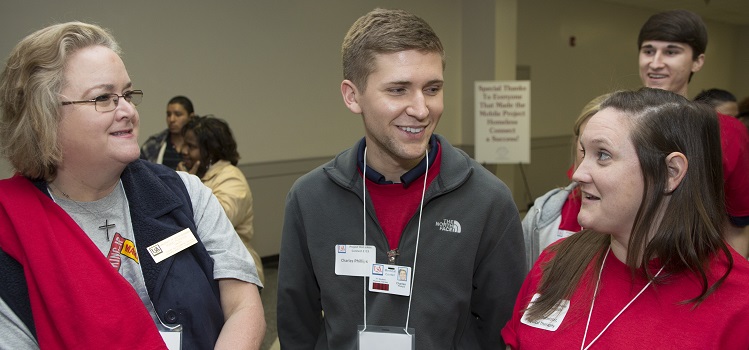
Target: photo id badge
x,y
391,279
354,260
391,338
172,336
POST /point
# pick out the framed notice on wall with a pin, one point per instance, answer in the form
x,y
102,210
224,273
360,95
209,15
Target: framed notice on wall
x,y
503,122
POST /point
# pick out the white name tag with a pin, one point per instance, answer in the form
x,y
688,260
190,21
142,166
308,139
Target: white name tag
x,y
173,340
354,260
551,322
172,335
391,279
172,245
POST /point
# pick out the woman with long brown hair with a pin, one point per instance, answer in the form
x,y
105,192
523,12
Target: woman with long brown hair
x,y
651,268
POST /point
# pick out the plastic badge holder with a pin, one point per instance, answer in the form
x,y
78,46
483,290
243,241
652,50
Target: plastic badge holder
x,y
383,337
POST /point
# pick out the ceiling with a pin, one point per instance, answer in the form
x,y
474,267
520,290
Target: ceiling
x,y
727,11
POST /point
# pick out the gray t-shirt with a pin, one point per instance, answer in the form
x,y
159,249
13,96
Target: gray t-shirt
x,y
107,222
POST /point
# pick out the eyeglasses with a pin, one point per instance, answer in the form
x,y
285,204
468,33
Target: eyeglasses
x,y
108,102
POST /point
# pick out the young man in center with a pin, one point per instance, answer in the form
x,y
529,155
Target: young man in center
x,y
672,48
401,197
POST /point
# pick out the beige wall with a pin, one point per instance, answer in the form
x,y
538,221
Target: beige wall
x,y
272,70
741,63
604,58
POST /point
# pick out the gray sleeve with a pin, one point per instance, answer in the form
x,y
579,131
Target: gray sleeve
x,y
231,258
500,273
530,234
14,335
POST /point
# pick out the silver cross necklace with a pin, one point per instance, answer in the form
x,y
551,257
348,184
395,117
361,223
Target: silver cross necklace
x,y
106,225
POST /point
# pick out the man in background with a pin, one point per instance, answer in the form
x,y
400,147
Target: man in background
x,y
672,48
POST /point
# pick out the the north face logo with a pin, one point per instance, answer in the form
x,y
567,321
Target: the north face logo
x,y
449,225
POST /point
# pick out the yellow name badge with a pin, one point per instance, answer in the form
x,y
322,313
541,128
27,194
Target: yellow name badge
x,y
172,245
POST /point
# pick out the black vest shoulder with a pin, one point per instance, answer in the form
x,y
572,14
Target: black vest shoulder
x,y
181,287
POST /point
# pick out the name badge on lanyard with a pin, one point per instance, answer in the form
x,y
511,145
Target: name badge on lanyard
x,y
390,279
172,336
379,337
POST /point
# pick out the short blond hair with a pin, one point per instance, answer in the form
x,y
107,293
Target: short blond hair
x,y
29,94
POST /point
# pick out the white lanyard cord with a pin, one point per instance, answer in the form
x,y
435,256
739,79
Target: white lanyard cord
x,y
418,233
364,201
595,294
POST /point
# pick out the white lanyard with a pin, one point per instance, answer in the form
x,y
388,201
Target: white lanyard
x,y
418,232
595,294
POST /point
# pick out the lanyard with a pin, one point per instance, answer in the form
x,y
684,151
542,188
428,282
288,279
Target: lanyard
x,y
595,294
418,232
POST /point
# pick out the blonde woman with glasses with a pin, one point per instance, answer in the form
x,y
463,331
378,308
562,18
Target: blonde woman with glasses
x,y
98,248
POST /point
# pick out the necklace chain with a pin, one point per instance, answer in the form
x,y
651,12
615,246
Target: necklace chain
x,y
106,225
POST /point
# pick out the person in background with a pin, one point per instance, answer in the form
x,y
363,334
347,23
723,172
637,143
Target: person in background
x,y
102,250
651,269
743,115
164,147
722,101
210,152
553,216
672,48
400,190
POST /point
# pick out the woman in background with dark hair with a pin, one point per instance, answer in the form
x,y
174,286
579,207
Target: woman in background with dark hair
x,y
651,268
210,152
164,147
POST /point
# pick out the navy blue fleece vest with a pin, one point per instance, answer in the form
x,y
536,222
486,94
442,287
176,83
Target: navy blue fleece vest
x,y
181,287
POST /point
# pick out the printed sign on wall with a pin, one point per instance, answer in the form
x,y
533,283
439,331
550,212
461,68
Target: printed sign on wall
x,y
503,122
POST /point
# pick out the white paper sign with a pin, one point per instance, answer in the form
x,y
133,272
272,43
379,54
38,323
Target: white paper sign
x,y
503,122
